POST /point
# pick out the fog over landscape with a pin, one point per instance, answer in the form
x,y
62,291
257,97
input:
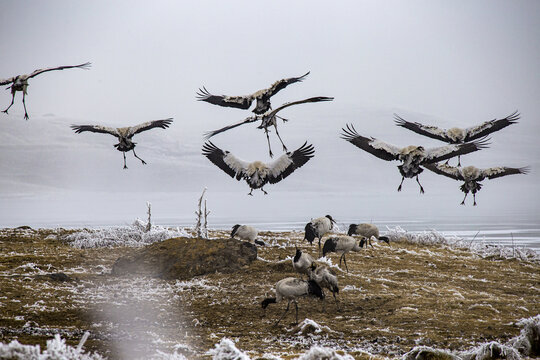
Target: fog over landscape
x,y
438,63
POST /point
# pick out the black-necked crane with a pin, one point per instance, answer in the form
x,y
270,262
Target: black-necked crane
x,y
317,228
124,134
412,157
325,278
367,231
257,173
20,83
268,119
244,102
458,135
244,232
341,244
291,289
472,175
302,262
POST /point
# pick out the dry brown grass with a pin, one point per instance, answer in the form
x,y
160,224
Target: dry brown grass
x,y
393,298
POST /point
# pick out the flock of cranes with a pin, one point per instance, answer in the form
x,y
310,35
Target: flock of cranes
x,y
257,174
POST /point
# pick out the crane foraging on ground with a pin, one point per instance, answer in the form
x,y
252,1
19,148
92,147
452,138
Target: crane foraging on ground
x,y
20,83
367,231
244,232
256,173
268,119
472,175
317,228
124,134
412,157
458,135
291,289
244,102
325,278
341,244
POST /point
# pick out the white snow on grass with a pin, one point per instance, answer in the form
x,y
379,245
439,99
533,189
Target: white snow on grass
x,y
477,247
134,236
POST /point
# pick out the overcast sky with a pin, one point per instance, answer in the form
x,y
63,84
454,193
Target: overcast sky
x,y
444,63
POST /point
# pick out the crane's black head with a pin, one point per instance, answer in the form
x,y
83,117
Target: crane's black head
x,y
352,229
385,239
314,289
364,241
267,301
234,229
310,233
329,217
329,246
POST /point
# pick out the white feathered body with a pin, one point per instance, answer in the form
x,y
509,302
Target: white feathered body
x,y
245,232
291,288
325,278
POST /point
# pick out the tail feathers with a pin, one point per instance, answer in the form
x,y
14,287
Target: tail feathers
x,y
335,289
268,301
385,239
310,233
362,242
329,246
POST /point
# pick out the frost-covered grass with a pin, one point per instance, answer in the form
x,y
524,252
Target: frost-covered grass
x,y
135,235
477,247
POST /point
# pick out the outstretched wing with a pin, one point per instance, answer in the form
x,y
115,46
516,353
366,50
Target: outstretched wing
x,y
308,100
86,65
209,134
287,163
282,84
427,130
225,160
495,172
437,154
488,127
373,146
7,81
95,128
239,102
150,125
446,170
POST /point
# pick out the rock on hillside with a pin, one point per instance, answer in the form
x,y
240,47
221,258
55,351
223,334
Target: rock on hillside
x,y
183,258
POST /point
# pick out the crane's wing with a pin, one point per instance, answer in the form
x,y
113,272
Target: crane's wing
x,y
373,146
7,81
239,102
312,99
287,163
164,123
446,152
488,127
446,170
209,134
282,84
86,65
427,130
495,172
225,160
95,128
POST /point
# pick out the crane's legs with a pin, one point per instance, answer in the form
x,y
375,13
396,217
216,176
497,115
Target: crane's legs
x,y
285,313
279,137
421,188
401,183
268,139
463,202
344,260
474,197
12,100
265,193
125,166
250,193
459,161
24,105
144,163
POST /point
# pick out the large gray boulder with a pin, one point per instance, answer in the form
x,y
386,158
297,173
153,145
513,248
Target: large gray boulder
x,y
184,258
